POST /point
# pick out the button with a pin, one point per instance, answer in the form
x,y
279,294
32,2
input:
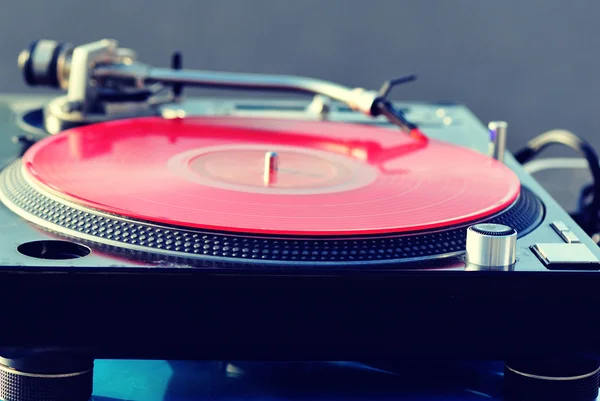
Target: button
x,y
559,226
566,256
565,233
569,237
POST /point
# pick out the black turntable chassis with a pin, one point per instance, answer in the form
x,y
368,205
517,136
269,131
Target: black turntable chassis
x,y
67,312
64,314
203,314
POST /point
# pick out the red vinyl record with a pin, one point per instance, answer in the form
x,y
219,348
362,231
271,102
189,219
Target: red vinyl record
x,y
324,178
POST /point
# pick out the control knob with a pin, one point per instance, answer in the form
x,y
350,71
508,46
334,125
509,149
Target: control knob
x,y
491,245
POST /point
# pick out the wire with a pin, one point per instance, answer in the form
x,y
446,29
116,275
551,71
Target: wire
x,y
563,163
587,216
585,193
555,163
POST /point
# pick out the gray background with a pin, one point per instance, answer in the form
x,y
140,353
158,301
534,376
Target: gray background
x,y
532,63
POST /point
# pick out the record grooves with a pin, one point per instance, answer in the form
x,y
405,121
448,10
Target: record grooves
x,y
327,178
159,241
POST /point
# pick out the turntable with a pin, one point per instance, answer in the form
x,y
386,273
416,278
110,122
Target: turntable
x,y
342,227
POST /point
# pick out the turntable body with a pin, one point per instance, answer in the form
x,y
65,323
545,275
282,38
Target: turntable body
x,y
443,123
253,295
268,229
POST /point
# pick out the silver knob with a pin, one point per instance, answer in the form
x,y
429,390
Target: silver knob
x,y
498,136
491,245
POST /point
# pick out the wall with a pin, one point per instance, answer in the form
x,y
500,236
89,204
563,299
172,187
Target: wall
x,y
532,63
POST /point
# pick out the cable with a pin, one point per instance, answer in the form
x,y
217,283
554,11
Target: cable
x,y
563,163
560,163
555,163
588,215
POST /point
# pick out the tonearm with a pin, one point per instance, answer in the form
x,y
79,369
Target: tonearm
x,y
104,81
